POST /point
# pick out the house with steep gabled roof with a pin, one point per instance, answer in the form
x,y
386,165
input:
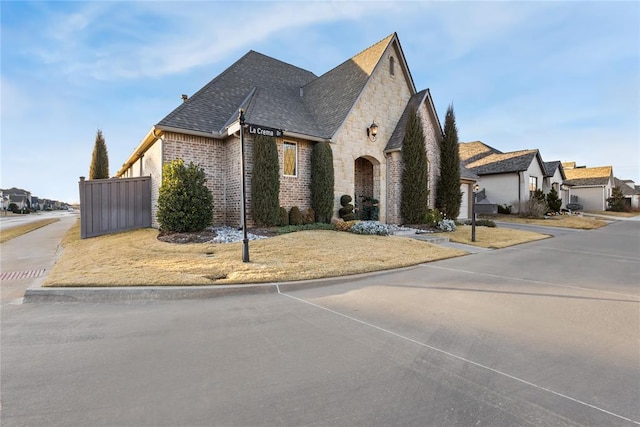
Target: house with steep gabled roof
x,y
630,192
590,187
373,87
555,178
507,178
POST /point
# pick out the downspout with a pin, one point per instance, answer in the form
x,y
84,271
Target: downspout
x,y
519,187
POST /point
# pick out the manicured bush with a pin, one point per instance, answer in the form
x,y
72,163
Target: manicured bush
x,y
447,225
265,182
283,217
371,227
308,216
14,208
575,207
322,182
432,217
304,227
184,203
341,225
346,211
295,216
370,209
481,223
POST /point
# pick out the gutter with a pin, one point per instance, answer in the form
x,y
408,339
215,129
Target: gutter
x,y
150,138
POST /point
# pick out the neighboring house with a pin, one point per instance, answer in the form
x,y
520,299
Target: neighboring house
x,y
507,178
22,198
589,187
554,178
630,192
340,107
467,181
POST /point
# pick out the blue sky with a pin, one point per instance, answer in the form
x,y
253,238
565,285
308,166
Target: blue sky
x,y
563,77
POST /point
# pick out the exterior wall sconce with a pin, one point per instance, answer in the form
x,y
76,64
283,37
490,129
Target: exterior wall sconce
x,y
372,131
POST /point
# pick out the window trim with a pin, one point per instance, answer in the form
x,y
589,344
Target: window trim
x,y
392,66
284,151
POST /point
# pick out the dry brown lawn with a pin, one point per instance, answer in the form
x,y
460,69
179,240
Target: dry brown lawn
x,y
493,237
138,258
566,221
13,232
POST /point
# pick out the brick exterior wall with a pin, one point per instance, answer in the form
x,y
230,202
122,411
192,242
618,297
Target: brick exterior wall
x,y
210,154
296,191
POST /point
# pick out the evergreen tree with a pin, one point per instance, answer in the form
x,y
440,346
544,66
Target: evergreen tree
x,y
415,180
185,203
322,182
553,200
448,195
100,159
616,201
265,181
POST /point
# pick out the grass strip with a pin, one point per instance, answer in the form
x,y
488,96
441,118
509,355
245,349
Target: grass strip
x,y
19,230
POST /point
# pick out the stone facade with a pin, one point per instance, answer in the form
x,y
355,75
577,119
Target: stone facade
x,y
383,100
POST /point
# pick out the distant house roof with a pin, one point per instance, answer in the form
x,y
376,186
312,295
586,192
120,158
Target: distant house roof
x,y
472,151
626,189
482,159
551,167
279,95
568,165
467,174
589,176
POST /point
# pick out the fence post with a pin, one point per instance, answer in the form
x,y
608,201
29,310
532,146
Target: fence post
x,y
83,216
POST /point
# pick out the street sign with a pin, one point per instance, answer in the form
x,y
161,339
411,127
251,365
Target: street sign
x,y
263,130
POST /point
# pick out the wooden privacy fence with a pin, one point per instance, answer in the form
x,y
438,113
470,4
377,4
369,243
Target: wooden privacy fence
x,y
113,205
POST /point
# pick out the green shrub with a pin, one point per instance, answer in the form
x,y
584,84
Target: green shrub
x,y
553,200
295,216
308,216
346,211
322,182
265,182
370,209
304,227
184,203
284,217
616,202
432,217
14,208
415,180
504,209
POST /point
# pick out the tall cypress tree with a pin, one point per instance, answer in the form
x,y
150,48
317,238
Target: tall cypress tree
x,y
265,181
99,168
414,203
449,196
322,181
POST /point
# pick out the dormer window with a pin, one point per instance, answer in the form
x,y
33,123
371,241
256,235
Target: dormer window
x,y
392,65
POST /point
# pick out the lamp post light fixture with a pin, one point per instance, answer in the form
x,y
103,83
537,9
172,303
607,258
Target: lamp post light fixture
x,y
243,207
372,131
476,187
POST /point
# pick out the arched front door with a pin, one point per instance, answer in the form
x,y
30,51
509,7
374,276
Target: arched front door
x,y
364,201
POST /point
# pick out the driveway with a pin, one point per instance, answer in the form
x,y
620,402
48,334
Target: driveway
x,y
545,333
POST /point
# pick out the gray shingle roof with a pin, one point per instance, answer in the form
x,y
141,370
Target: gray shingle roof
x,y
395,142
626,189
279,95
515,161
550,167
209,109
466,173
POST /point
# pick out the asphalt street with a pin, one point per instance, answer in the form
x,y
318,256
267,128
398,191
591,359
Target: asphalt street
x,y
544,333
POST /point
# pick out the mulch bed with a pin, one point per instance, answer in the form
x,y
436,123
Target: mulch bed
x,y
207,236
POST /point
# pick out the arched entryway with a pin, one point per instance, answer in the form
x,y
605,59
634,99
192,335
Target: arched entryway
x,y
365,189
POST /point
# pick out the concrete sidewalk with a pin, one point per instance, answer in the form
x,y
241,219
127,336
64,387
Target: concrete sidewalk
x,y
26,260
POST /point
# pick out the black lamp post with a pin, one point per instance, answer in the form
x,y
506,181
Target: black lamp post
x,y
476,187
243,207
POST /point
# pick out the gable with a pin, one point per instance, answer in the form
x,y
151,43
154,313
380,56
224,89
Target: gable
x,y
422,98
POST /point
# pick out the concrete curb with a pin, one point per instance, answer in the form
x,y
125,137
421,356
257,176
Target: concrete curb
x,y
39,294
